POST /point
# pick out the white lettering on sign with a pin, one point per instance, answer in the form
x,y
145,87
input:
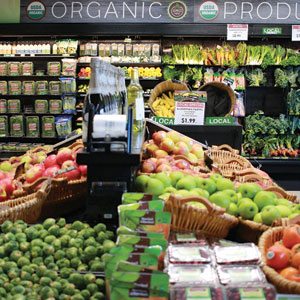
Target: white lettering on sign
x,y
297,11
227,6
247,12
76,11
280,6
53,7
114,11
261,7
133,13
150,10
93,10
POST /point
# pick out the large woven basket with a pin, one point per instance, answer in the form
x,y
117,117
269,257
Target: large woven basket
x,y
212,221
224,88
27,208
164,87
282,285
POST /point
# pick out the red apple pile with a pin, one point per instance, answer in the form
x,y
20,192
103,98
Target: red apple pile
x,y
163,152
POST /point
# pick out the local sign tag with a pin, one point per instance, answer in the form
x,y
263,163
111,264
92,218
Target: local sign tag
x,y
295,33
237,32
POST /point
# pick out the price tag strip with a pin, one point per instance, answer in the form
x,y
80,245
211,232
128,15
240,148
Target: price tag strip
x,y
237,32
189,107
295,33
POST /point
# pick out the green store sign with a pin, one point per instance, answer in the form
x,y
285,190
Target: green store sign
x,y
36,10
272,30
219,121
164,121
208,10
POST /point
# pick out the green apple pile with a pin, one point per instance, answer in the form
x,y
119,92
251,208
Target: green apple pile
x,y
248,200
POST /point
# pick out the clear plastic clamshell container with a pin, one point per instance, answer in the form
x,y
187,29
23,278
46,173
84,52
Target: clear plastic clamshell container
x,y
243,274
196,292
237,254
192,274
184,238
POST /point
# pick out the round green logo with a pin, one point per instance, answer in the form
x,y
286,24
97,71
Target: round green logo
x,y
208,10
36,10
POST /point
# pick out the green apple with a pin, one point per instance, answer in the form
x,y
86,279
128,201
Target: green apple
x,y
154,187
192,157
164,178
141,182
164,196
26,159
248,210
249,190
296,208
294,215
232,194
224,184
244,200
264,198
270,214
285,202
6,166
207,184
216,176
186,183
182,193
233,209
170,190
175,176
174,136
201,192
257,218
196,204
285,211
221,199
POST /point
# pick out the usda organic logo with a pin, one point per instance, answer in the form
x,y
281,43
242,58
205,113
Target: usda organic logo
x,y
36,10
208,10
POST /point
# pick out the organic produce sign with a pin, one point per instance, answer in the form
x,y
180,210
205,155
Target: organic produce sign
x,y
164,11
237,32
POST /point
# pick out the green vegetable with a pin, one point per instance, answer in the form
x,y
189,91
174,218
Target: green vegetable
x,y
256,77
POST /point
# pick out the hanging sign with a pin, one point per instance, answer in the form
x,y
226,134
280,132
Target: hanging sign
x,y
271,30
237,32
189,107
296,33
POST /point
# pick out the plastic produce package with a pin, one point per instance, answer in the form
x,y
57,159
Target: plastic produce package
x,y
13,68
3,87
183,238
14,106
26,68
3,126
55,106
15,87
3,106
63,125
54,87
69,66
42,87
28,87
41,106
48,126
32,126
197,292
69,104
16,126
54,68
68,85
3,68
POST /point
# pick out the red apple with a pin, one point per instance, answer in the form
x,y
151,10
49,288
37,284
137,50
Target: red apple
x,y
159,136
8,185
83,170
71,175
50,161
167,145
183,164
3,195
51,171
181,148
148,166
34,173
69,163
63,155
163,168
161,153
164,160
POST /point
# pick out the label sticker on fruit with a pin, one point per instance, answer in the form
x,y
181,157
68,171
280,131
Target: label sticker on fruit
x,y
252,293
189,107
237,32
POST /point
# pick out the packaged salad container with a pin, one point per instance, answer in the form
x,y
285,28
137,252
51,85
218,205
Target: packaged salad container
x,y
15,87
3,88
28,87
13,68
41,87
55,106
27,68
48,127
54,87
16,126
3,126
54,68
3,68
41,106
14,106
32,126
69,67
3,106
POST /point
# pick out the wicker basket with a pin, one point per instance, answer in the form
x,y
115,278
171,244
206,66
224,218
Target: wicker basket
x,y
223,87
27,208
166,86
283,285
212,222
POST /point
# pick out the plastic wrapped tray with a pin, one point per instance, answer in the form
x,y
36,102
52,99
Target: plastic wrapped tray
x,y
196,292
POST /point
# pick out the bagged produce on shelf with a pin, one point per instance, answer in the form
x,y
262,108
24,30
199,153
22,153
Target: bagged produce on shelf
x,y
68,85
240,81
3,88
63,125
14,106
15,87
16,126
3,68
3,126
3,106
67,46
13,68
32,126
54,87
208,75
28,87
55,106
239,107
69,67
42,87
26,68
54,68
41,106
48,127
69,104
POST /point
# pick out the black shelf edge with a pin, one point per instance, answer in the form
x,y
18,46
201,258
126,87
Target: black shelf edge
x,y
35,114
133,64
27,96
12,56
219,66
14,77
27,139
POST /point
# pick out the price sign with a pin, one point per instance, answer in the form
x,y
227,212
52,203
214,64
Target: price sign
x,y
295,33
189,113
237,32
